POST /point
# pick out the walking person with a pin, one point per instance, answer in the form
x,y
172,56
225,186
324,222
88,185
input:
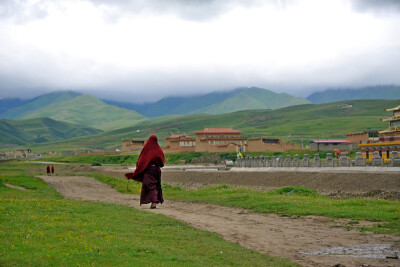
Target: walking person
x,y
48,169
148,172
52,169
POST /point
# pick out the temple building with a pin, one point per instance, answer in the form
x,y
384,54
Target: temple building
x,y
134,146
389,139
330,145
220,140
179,143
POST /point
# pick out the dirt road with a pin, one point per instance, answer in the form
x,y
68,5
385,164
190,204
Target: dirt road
x,y
298,239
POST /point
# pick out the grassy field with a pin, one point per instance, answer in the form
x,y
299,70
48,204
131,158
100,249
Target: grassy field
x,y
286,201
307,122
40,228
131,159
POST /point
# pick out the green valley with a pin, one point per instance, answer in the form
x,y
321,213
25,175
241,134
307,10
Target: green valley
x,y
291,123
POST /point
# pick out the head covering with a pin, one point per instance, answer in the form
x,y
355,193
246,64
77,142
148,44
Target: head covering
x,y
151,154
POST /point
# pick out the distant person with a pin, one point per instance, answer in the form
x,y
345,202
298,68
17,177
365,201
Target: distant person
x,y
52,168
48,169
148,172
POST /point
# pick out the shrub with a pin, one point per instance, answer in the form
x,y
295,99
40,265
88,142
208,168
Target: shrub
x,y
294,190
96,163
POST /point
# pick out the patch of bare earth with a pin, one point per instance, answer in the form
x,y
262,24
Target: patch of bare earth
x,y
304,240
15,187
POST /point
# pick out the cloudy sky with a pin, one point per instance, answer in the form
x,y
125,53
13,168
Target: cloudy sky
x,y
142,50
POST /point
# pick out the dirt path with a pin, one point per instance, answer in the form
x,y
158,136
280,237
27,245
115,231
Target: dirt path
x,y
297,239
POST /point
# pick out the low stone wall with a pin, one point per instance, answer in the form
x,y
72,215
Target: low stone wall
x,y
316,161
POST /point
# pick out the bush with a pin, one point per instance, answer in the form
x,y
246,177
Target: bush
x,y
95,163
294,190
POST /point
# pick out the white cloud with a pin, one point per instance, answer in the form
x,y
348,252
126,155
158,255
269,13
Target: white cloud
x,y
152,47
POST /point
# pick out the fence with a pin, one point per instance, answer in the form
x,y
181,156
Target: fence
x,y
316,161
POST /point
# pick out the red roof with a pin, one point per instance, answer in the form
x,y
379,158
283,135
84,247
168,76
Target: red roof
x,y
331,141
218,131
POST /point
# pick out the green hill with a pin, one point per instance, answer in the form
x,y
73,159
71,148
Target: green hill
x,y
307,122
89,111
39,130
372,92
39,102
252,98
216,103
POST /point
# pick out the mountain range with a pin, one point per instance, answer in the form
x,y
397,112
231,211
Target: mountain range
x,y
299,124
75,108
215,103
89,111
371,92
63,115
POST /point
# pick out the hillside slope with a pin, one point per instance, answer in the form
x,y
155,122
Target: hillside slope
x,y
89,111
307,122
22,111
250,99
39,130
9,103
216,103
373,92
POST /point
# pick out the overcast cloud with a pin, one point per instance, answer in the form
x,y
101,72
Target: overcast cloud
x,y
146,49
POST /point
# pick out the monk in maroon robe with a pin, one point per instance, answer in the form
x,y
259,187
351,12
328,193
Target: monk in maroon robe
x,y
148,172
52,168
48,169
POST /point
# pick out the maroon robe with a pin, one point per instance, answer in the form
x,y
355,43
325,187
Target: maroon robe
x,y
52,168
148,172
48,168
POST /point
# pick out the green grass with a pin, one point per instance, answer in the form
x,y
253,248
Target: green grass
x,y
131,159
38,227
286,201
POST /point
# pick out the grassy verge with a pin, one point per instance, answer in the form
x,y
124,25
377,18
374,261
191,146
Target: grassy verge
x,y
175,158
40,228
287,201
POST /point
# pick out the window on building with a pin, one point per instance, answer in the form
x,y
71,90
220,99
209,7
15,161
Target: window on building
x,y
387,154
395,124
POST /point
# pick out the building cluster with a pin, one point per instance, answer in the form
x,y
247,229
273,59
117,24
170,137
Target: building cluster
x,y
19,154
370,142
212,140
388,141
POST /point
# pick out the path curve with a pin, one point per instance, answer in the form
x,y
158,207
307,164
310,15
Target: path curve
x,y
267,233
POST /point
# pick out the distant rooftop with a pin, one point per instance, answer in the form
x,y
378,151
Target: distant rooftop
x,y
179,136
330,141
393,109
218,131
